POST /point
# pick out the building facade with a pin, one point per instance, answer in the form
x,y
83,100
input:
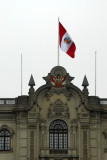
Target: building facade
x,y
58,121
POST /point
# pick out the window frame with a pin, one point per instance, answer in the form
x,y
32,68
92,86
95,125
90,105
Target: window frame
x,y
57,129
5,140
10,131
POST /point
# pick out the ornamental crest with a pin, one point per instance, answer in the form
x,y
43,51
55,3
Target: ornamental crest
x,y
58,77
58,81
58,108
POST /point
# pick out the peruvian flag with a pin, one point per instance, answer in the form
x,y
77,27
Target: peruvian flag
x,y
66,43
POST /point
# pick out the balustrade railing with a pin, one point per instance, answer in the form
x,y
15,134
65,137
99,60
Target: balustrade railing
x,y
7,101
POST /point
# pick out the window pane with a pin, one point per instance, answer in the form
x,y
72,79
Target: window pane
x,y
4,140
58,135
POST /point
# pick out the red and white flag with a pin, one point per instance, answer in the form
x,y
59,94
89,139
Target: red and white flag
x,y
66,43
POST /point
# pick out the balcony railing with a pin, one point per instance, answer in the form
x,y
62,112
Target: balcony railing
x,y
103,101
9,101
58,151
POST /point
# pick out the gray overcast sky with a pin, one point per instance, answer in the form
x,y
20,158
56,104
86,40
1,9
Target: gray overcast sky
x,y
30,27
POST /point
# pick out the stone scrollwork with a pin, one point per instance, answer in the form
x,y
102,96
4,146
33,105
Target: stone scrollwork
x,y
58,108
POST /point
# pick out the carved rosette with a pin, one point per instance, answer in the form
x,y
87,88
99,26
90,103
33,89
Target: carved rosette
x,y
58,108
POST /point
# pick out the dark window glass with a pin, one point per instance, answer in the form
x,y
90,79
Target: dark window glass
x,y
58,132
4,140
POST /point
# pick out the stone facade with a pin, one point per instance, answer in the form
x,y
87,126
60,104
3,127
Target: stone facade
x,y
33,122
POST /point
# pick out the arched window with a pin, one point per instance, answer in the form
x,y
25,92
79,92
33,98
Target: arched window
x,y
58,132
4,140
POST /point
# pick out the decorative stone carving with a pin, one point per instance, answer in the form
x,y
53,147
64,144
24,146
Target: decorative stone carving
x,y
43,121
58,79
7,128
81,109
92,114
43,124
105,150
73,122
85,152
24,114
32,145
7,116
104,116
105,134
58,109
58,91
85,84
59,73
105,139
32,125
32,115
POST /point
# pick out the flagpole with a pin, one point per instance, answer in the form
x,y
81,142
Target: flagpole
x,y
58,41
21,74
95,71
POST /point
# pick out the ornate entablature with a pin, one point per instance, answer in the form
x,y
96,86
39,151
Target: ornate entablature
x,y
57,109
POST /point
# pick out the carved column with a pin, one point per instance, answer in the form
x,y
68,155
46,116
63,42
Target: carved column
x,y
74,137
85,154
31,145
85,139
18,136
43,136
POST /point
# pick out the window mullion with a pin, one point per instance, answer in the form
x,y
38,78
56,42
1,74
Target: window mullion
x,y
58,139
4,143
58,136
53,140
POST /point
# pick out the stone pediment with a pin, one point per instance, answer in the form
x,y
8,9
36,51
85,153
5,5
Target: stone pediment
x,y
58,108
